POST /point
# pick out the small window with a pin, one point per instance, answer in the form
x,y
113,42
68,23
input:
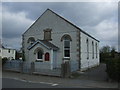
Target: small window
x,y
31,40
47,56
39,55
9,51
47,34
96,50
92,50
87,48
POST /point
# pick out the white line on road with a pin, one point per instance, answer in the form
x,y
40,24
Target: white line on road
x,y
24,80
54,84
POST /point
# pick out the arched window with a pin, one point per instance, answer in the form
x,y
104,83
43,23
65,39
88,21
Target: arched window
x,y
39,53
31,40
87,48
66,48
92,50
47,56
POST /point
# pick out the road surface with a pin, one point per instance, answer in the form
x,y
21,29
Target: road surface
x,y
17,83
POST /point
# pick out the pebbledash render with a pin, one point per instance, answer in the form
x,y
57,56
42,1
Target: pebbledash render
x,y
53,40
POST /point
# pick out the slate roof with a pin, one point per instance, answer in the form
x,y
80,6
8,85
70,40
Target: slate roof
x,y
45,43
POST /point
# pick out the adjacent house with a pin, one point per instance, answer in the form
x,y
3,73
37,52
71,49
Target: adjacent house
x,y
7,52
53,40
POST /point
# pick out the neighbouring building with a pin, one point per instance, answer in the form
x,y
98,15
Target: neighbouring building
x,y
19,54
7,52
53,40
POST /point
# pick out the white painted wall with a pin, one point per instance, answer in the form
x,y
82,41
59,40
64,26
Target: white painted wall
x,y
87,63
10,55
59,28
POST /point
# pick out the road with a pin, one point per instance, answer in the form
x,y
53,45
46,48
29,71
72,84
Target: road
x,y
17,83
93,78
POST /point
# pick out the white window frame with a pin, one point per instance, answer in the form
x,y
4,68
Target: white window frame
x,y
64,49
37,57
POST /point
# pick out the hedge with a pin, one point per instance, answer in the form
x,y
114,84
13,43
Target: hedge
x,y
113,68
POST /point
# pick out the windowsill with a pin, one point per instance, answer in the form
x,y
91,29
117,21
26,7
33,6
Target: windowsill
x,y
66,58
39,60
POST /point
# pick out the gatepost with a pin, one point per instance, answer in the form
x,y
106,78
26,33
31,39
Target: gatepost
x,y
65,69
32,67
21,67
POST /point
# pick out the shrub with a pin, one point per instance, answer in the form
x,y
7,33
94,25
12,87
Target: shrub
x,y
4,60
113,68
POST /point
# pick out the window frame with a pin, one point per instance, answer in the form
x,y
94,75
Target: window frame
x,y
31,40
87,42
92,50
8,50
96,50
37,55
66,48
48,57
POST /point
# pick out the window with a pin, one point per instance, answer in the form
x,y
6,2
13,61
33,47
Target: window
x,y
96,50
67,48
39,55
87,48
47,34
9,51
92,50
66,45
31,40
47,56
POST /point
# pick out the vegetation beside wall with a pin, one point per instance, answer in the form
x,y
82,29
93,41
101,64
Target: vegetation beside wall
x,y
113,68
111,57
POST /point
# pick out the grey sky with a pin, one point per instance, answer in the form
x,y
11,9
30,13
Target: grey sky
x,y
96,18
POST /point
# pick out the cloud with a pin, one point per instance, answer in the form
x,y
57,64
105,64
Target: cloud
x,y
13,26
98,19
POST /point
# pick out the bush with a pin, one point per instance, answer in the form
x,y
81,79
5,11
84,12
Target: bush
x,y
113,68
4,60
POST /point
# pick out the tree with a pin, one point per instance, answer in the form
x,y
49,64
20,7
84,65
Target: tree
x,y
113,50
105,49
104,53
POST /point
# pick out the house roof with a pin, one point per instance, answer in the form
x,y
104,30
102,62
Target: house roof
x,y
66,21
45,43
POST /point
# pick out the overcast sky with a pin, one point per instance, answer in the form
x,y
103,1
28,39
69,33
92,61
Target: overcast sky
x,y
96,18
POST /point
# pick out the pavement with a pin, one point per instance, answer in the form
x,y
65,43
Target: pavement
x,y
93,78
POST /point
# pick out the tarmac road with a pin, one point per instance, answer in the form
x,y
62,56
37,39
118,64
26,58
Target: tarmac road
x,y
17,83
93,78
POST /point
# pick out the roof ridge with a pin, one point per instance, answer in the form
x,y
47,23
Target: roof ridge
x,y
63,19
